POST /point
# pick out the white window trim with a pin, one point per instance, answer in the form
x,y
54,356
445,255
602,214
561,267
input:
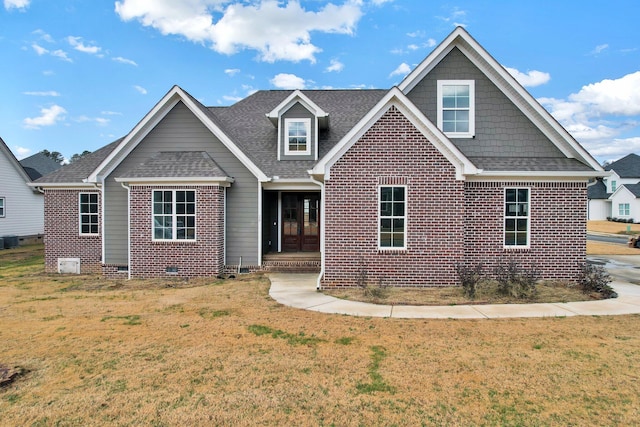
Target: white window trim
x,y
174,222
4,207
472,107
80,214
307,124
405,217
504,218
622,210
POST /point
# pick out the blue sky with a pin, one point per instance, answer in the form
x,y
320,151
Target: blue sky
x,y
78,74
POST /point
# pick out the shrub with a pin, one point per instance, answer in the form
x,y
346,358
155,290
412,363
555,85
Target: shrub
x,y
470,278
594,278
516,281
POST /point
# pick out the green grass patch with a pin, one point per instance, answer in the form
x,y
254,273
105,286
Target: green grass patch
x,y
132,319
377,383
293,339
207,313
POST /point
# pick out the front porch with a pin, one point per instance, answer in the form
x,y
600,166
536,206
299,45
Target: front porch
x,y
298,262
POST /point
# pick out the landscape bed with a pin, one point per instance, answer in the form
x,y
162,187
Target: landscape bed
x,y
210,352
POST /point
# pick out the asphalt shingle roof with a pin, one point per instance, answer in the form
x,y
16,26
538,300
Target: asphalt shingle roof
x,y
529,164
626,167
39,165
634,188
598,191
176,164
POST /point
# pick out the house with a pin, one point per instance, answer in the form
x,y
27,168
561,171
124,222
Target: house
x,y
21,206
456,165
616,196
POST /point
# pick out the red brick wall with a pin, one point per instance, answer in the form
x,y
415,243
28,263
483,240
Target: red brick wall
x,y
62,232
393,152
200,258
558,227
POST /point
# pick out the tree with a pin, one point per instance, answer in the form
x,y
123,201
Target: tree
x,y
55,155
79,156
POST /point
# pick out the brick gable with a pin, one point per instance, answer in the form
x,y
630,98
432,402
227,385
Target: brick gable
x,y
393,152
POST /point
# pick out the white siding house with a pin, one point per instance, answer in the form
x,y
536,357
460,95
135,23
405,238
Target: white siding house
x,y
21,207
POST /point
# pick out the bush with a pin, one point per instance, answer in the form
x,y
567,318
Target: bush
x,y
593,278
516,281
470,278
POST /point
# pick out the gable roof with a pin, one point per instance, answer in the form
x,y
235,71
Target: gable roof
x,y
504,81
38,165
633,188
597,190
4,150
398,99
626,167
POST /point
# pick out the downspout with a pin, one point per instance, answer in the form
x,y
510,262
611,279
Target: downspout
x,y
128,188
100,188
322,217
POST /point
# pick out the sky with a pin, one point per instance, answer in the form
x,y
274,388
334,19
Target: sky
x,y
75,75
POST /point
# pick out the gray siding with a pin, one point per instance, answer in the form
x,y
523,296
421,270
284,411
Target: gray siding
x,y
180,130
24,208
298,111
502,130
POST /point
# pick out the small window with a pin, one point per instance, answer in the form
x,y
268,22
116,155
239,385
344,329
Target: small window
x,y
174,215
456,108
624,209
89,213
297,136
614,185
392,218
516,217
2,207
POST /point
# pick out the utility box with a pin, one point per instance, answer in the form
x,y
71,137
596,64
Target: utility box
x,y
10,242
69,265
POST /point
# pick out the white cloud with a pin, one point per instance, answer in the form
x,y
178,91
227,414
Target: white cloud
x,y
231,98
100,121
336,66
277,30
140,89
402,70
42,93
62,55
16,4
39,49
21,152
288,81
110,113
599,49
615,149
44,36
122,60
457,17
418,33
48,117
231,71
620,96
530,78
78,44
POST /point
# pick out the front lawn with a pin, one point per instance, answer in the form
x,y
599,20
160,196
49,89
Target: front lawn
x,y
88,351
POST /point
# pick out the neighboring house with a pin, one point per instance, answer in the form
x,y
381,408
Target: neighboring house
x,y
456,165
38,165
21,206
615,195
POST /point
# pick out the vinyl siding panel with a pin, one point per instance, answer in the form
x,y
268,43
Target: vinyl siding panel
x,y
24,209
180,130
501,130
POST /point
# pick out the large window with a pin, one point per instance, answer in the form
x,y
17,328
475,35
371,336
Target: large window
x,y
516,217
624,209
393,218
88,213
174,215
297,136
456,108
2,207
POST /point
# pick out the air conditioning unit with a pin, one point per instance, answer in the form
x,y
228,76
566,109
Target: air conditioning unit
x,y
69,265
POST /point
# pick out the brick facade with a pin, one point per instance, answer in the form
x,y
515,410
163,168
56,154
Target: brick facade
x,y
558,227
393,152
62,232
200,258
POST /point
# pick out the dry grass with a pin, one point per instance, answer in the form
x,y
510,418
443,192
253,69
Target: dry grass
x,y
612,227
602,248
224,353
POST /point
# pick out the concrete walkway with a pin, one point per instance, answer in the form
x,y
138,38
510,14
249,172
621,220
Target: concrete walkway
x,y
299,291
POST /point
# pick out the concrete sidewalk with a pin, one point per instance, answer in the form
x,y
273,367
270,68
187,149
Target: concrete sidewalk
x,y
299,291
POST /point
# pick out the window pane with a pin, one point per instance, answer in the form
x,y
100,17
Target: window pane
x,y
448,102
448,90
522,224
448,115
462,127
509,239
180,196
462,90
398,209
462,116
521,239
385,209
523,209
512,209
398,240
386,194
398,194
523,196
448,127
398,225
510,195
510,225
462,102
385,225
385,240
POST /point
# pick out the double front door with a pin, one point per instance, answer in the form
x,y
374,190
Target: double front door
x,y
300,222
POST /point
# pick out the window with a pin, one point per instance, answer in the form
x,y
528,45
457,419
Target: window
x,y
88,213
174,215
624,209
2,207
456,108
393,218
516,217
297,136
614,185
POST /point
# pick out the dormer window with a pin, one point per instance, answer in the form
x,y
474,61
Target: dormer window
x,y
297,136
456,108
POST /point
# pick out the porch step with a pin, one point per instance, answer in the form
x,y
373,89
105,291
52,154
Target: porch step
x,y
298,262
